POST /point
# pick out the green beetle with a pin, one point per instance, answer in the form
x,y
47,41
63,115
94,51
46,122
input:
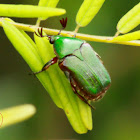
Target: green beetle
x,y
88,77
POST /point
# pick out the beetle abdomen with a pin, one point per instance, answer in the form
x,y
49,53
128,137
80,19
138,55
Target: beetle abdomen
x,y
89,73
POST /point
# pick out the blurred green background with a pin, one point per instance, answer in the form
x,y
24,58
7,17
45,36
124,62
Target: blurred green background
x,y
117,115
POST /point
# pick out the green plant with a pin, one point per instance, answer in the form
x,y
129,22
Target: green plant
x,y
36,53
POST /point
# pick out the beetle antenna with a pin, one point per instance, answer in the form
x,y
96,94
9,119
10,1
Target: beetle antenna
x,y
40,32
63,23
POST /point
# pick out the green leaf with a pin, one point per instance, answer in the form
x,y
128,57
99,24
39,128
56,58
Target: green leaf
x,y
19,41
79,117
16,114
86,114
45,51
87,11
128,37
29,11
130,20
48,3
28,51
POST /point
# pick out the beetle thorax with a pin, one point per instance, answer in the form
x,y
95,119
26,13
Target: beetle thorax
x,y
64,46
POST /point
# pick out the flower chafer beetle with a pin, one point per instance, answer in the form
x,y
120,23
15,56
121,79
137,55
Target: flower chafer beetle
x,y
83,67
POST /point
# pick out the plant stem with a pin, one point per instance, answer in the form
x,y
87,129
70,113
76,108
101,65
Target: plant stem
x,y
38,22
105,39
116,34
76,29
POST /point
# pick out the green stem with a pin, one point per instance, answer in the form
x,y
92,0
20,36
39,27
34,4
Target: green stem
x,y
116,34
76,29
105,39
38,22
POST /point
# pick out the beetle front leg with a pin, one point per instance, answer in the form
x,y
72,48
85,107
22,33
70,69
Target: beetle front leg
x,y
48,64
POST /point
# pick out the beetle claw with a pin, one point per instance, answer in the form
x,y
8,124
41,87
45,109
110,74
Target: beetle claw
x,y
40,32
36,34
32,73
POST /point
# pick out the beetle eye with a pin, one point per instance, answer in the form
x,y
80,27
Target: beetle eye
x,y
51,40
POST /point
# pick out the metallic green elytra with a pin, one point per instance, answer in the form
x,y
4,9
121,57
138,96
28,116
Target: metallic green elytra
x,y
88,77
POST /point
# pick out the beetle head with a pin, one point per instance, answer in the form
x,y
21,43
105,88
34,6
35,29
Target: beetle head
x,y
53,38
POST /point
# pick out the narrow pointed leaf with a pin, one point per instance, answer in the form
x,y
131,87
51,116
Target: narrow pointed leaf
x,y
48,3
28,51
63,89
86,114
87,11
128,37
17,114
130,20
21,44
29,11
46,54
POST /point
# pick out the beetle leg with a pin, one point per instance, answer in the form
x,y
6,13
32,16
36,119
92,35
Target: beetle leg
x,y
47,65
40,33
73,85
